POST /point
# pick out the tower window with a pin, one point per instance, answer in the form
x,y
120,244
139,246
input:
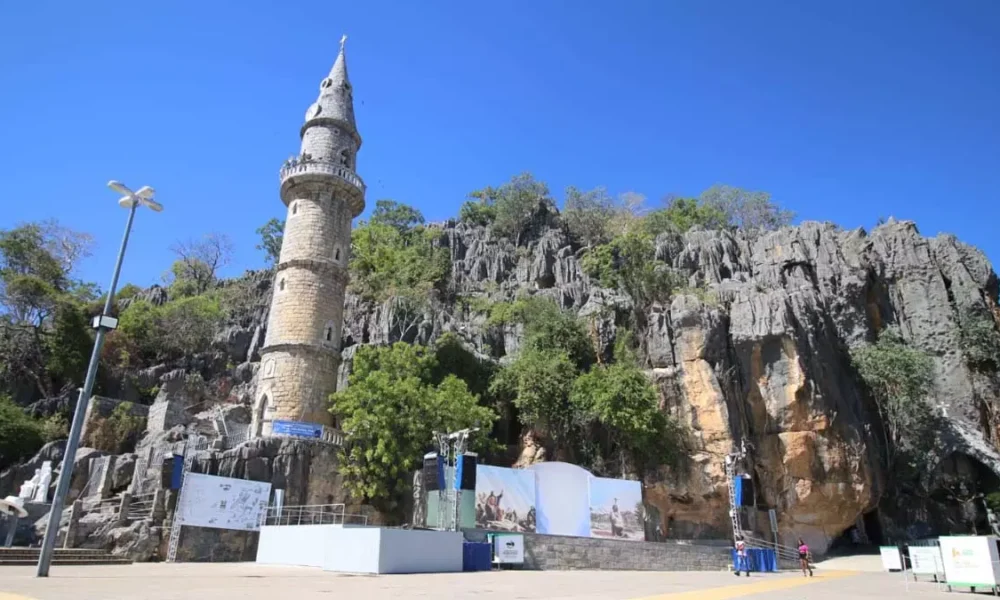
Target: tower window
x,y
281,285
345,158
295,208
329,334
336,255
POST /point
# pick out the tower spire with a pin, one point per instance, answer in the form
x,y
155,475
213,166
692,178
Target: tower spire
x,y
336,98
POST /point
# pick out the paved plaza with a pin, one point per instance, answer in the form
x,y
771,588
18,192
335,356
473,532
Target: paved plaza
x,y
248,581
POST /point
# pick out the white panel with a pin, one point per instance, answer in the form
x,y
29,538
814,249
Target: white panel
x,y
222,502
420,551
970,560
299,545
354,550
562,499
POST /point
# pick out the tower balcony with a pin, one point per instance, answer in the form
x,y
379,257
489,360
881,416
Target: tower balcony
x,y
305,170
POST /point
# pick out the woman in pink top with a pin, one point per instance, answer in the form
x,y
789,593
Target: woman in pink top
x,y
804,558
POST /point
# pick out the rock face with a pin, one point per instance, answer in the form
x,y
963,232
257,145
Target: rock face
x,y
755,350
758,352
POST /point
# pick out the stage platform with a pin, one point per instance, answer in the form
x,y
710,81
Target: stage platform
x,y
361,549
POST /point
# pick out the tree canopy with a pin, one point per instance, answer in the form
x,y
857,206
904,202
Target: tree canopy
x,y
389,410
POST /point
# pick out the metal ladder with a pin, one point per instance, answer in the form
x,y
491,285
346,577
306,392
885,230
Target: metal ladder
x,y
734,511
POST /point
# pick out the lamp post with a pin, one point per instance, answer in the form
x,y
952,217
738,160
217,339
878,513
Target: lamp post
x,y
102,323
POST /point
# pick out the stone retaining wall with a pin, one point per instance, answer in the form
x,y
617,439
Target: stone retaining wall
x,y
553,552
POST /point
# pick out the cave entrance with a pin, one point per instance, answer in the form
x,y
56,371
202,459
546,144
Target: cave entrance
x,y
873,527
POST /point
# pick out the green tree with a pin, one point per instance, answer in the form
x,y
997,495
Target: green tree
x,y
589,215
68,345
623,402
517,202
40,324
119,432
546,327
401,217
480,208
745,209
178,328
20,435
198,262
681,214
390,410
900,378
539,383
271,235
629,263
388,262
980,341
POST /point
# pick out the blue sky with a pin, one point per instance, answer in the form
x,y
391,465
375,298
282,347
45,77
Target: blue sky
x,y
844,111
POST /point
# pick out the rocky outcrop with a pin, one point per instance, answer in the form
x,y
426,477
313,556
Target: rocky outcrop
x,y
755,349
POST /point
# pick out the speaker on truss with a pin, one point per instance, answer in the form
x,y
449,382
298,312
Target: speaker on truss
x,y
433,472
747,495
467,479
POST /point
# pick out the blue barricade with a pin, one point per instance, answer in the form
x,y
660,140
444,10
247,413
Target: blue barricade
x,y
762,560
476,556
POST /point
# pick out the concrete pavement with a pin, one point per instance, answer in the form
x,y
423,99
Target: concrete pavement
x,y
248,581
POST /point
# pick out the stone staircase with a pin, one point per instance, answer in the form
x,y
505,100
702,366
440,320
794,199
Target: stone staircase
x,y
20,556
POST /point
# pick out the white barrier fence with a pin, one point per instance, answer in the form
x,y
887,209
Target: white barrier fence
x,y
312,514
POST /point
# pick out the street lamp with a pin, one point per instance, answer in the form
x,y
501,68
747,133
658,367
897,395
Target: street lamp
x,y
102,323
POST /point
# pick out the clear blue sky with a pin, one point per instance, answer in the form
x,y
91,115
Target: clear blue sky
x,y
844,111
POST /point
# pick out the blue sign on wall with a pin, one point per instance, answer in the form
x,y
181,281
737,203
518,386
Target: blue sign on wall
x,y
297,429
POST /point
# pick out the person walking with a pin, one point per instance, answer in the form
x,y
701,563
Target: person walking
x,y
804,558
742,564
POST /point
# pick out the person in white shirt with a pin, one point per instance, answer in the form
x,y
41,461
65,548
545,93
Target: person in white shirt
x,y
742,563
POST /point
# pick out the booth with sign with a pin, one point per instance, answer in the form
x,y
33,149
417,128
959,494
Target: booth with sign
x,y
508,549
892,560
971,561
926,560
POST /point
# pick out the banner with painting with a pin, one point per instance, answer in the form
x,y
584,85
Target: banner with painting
x,y
616,509
558,498
505,499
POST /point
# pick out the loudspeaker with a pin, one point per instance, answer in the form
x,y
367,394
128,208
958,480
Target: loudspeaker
x,y
433,472
748,496
468,474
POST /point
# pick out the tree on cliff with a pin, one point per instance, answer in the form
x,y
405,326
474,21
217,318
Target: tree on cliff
x,y
389,411
511,208
44,337
395,256
20,435
198,262
900,378
271,235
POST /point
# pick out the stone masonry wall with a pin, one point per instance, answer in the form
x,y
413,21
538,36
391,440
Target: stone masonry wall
x,y
554,552
297,386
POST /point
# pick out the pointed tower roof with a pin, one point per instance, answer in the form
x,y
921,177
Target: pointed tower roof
x,y
336,96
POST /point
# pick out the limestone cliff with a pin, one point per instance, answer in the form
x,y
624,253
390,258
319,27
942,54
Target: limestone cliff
x,y
755,349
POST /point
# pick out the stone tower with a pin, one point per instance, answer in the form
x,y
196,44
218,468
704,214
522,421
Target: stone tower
x,y
322,194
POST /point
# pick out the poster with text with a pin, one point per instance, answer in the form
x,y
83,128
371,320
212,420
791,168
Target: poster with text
x,y
616,509
505,499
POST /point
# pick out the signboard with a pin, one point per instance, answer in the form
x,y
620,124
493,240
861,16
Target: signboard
x,y
508,548
970,560
222,502
773,516
926,560
297,429
891,559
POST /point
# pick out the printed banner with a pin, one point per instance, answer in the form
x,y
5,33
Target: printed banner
x,y
505,499
616,509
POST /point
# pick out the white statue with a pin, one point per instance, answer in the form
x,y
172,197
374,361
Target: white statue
x,y
42,491
28,487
